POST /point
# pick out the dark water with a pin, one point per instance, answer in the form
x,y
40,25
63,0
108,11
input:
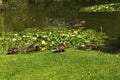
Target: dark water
x,y
35,17
19,20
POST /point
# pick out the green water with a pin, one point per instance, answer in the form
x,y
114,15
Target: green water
x,y
9,19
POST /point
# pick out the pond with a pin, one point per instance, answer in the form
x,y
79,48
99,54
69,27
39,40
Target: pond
x,y
35,16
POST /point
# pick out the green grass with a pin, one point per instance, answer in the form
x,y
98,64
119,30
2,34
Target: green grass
x,y
71,65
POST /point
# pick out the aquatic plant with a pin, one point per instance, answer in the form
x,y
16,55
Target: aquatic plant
x,y
103,8
49,38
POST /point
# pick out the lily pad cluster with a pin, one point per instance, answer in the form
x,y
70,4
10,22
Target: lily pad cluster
x,y
49,38
103,8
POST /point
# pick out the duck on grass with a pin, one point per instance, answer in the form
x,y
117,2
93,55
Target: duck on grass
x,y
47,39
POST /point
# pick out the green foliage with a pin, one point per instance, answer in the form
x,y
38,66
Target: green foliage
x,y
11,2
103,8
49,38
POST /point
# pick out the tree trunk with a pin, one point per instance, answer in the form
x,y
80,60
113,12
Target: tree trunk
x,y
0,2
2,23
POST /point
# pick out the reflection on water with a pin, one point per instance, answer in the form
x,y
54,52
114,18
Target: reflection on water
x,y
36,17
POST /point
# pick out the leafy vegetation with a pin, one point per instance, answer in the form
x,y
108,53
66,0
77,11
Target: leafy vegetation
x,y
49,38
72,65
14,4
113,7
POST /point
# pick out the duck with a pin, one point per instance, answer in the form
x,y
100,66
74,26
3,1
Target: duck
x,y
50,20
31,48
83,46
95,47
82,22
13,50
62,23
77,25
21,19
32,19
61,47
101,29
118,36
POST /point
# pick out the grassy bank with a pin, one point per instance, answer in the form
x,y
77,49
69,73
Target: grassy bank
x,y
72,65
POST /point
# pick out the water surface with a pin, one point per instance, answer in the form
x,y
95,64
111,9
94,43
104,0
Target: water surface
x,y
35,17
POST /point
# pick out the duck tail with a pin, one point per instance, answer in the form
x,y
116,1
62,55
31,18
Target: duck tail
x,y
55,50
8,53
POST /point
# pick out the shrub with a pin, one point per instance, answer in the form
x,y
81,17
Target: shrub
x,y
103,8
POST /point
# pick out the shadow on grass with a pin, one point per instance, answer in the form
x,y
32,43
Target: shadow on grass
x,y
109,49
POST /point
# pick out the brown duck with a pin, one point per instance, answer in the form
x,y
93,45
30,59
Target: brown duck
x,y
32,48
83,46
14,50
61,47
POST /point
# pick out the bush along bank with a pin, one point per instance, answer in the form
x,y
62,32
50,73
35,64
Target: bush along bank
x,y
49,38
113,7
